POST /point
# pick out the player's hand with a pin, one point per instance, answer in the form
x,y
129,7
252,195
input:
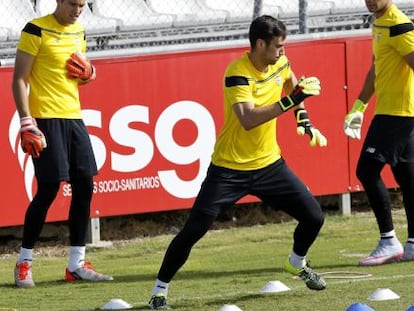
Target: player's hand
x,y
79,67
32,139
305,127
306,87
354,118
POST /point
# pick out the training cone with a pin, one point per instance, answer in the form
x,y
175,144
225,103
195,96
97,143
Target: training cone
x,y
274,287
116,304
359,306
410,308
383,294
230,308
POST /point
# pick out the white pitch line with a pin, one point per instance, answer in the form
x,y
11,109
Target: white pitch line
x,y
371,278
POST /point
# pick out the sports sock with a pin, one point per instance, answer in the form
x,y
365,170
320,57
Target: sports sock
x,y
26,254
296,260
76,257
160,287
388,235
389,238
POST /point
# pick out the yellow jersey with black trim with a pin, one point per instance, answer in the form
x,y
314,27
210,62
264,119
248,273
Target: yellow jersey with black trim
x,y
392,39
52,94
235,147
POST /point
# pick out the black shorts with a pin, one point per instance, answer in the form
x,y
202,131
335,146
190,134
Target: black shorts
x,y
390,139
276,185
68,154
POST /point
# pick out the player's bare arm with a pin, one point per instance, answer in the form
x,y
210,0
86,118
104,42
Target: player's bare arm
x,y
368,88
22,69
251,116
410,60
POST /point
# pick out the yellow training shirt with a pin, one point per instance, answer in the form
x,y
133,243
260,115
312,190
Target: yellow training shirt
x,y
235,147
392,39
52,94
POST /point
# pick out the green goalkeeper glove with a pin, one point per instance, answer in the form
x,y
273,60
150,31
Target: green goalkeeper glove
x,y
305,127
354,118
306,87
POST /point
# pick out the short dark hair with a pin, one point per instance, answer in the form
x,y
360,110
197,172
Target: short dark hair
x,y
266,27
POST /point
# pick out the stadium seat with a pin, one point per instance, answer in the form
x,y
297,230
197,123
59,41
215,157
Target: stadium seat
x,y
404,4
15,15
270,9
93,24
236,11
3,34
341,7
188,12
291,9
131,14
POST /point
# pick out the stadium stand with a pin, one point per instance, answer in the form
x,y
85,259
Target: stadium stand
x,y
131,15
342,15
16,14
236,11
131,24
314,8
340,7
404,4
3,34
188,12
94,25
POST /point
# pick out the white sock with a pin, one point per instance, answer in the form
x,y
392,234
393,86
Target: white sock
x,y
26,254
388,235
76,257
296,260
160,287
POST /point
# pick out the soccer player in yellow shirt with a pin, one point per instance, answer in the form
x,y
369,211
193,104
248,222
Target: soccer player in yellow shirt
x,y
390,137
50,63
247,158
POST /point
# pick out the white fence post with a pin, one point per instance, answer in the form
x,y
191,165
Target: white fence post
x,y
345,203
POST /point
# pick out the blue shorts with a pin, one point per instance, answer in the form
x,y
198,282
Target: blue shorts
x,y
68,154
390,139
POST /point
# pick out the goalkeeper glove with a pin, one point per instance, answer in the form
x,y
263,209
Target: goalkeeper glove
x,y
32,139
305,127
306,87
79,67
354,118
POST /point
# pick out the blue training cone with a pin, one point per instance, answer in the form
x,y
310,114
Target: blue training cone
x,y
358,306
410,308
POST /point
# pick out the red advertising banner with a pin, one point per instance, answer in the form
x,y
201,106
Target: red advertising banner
x,y
153,121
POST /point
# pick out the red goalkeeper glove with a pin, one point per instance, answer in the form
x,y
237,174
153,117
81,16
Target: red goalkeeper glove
x,y
32,139
305,127
79,67
306,87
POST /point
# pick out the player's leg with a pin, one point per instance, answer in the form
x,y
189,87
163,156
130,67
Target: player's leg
x,y
389,247
279,187
82,168
369,174
33,223
220,189
382,146
404,175
49,169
